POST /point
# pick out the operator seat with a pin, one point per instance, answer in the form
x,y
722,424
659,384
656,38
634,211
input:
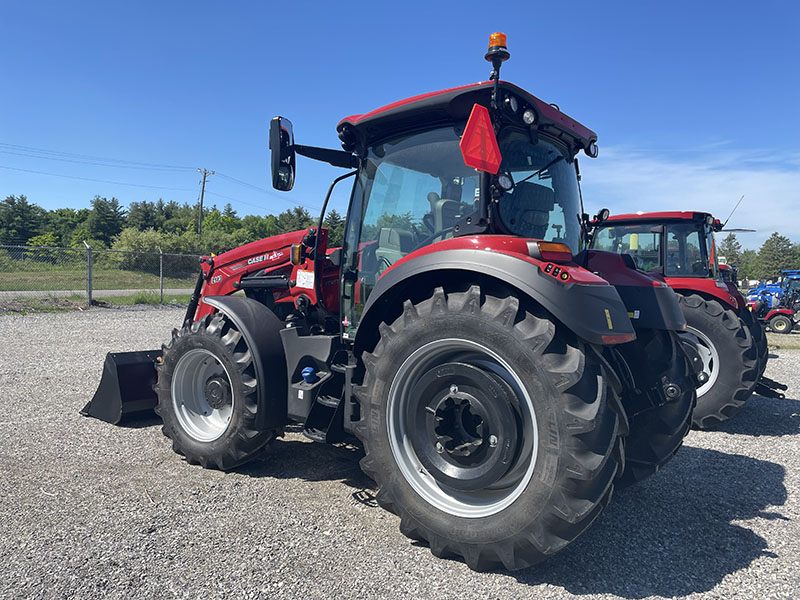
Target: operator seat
x,y
526,210
444,212
393,244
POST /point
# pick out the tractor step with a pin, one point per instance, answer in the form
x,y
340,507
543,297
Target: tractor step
x,y
317,435
331,401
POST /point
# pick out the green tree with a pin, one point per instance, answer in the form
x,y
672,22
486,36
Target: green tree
x,y
143,216
747,264
335,224
106,219
228,211
215,220
774,255
257,228
20,220
64,221
44,240
294,219
731,249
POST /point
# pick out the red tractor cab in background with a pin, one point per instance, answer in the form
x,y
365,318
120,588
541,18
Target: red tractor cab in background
x,y
679,248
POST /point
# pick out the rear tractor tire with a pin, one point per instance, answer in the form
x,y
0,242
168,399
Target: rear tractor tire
x,y
759,335
207,395
660,407
730,359
487,428
780,324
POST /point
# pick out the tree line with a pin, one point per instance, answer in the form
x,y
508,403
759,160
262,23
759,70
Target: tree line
x,y
149,226
172,227
776,254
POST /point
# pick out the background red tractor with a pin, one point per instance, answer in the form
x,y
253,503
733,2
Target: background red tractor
x,y
487,370
679,247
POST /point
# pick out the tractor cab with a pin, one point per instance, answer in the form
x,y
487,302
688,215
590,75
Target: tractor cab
x,y
675,244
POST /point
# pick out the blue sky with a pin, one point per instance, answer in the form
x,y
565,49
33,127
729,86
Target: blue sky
x,y
695,103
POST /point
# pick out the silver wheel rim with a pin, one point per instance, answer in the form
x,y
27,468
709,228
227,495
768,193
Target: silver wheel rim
x,y
708,354
780,326
195,415
473,504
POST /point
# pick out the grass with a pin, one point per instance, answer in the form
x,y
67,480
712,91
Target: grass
x,y
107,279
51,304
144,298
784,341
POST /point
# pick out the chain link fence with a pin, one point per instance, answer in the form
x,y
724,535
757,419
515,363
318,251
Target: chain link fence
x,y
88,274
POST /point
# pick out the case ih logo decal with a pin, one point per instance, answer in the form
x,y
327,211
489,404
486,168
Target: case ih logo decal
x,y
258,259
556,272
216,279
263,257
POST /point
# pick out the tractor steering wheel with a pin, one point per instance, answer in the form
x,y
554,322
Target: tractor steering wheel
x,y
431,237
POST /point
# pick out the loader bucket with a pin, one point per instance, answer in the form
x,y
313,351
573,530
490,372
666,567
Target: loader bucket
x,y
126,388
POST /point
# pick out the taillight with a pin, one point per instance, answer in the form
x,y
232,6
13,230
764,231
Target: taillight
x,y
550,251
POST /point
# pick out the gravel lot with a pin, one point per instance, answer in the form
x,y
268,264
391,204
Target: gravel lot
x,y
89,510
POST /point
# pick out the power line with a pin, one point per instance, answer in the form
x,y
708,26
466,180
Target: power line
x,y
267,192
90,157
139,185
86,162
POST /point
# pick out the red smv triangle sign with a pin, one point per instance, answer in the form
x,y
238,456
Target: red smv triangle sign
x,y
479,144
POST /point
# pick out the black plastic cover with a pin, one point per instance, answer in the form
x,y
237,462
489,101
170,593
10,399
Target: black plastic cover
x,y
261,330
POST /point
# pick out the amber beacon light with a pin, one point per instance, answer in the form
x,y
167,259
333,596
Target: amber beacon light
x,y
498,48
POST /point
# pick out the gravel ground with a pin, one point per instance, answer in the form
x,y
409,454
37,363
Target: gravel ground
x,y
89,510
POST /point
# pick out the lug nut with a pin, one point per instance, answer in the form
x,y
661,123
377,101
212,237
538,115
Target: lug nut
x,y
454,389
492,441
672,391
439,447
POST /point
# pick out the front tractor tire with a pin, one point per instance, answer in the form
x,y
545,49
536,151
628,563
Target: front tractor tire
x,y
730,359
781,324
487,428
659,405
207,395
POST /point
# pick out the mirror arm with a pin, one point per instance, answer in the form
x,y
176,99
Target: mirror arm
x,y
337,158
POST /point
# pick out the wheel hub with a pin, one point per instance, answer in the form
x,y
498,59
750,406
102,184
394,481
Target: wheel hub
x,y
466,431
217,392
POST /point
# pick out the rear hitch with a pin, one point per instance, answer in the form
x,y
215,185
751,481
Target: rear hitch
x,y
770,389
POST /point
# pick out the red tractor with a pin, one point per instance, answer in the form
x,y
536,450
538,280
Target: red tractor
x,y
678,247
491,376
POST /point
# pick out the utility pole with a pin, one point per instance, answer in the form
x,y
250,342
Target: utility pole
x,y
202,193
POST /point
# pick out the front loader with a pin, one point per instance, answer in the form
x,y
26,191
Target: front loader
x,y
456,333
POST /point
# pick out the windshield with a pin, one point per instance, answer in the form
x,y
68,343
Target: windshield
x,y
642,242
688,247
544,203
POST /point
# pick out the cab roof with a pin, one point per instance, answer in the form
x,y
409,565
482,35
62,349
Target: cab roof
x,y
673,215
452,106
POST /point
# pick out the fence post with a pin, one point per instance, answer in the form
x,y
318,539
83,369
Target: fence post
x,y
88,272
161,274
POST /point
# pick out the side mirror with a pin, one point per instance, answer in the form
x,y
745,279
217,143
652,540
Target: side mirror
x,y
282,156
603,215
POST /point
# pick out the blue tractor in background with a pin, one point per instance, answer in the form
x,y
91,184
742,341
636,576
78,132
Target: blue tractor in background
x,y
777,304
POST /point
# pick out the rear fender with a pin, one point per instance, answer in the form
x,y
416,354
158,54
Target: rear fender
x,y
261,330
708,289
650,302
594,312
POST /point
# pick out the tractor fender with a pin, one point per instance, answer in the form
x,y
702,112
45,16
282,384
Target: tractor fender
x,y
593,312
260,328
650,302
